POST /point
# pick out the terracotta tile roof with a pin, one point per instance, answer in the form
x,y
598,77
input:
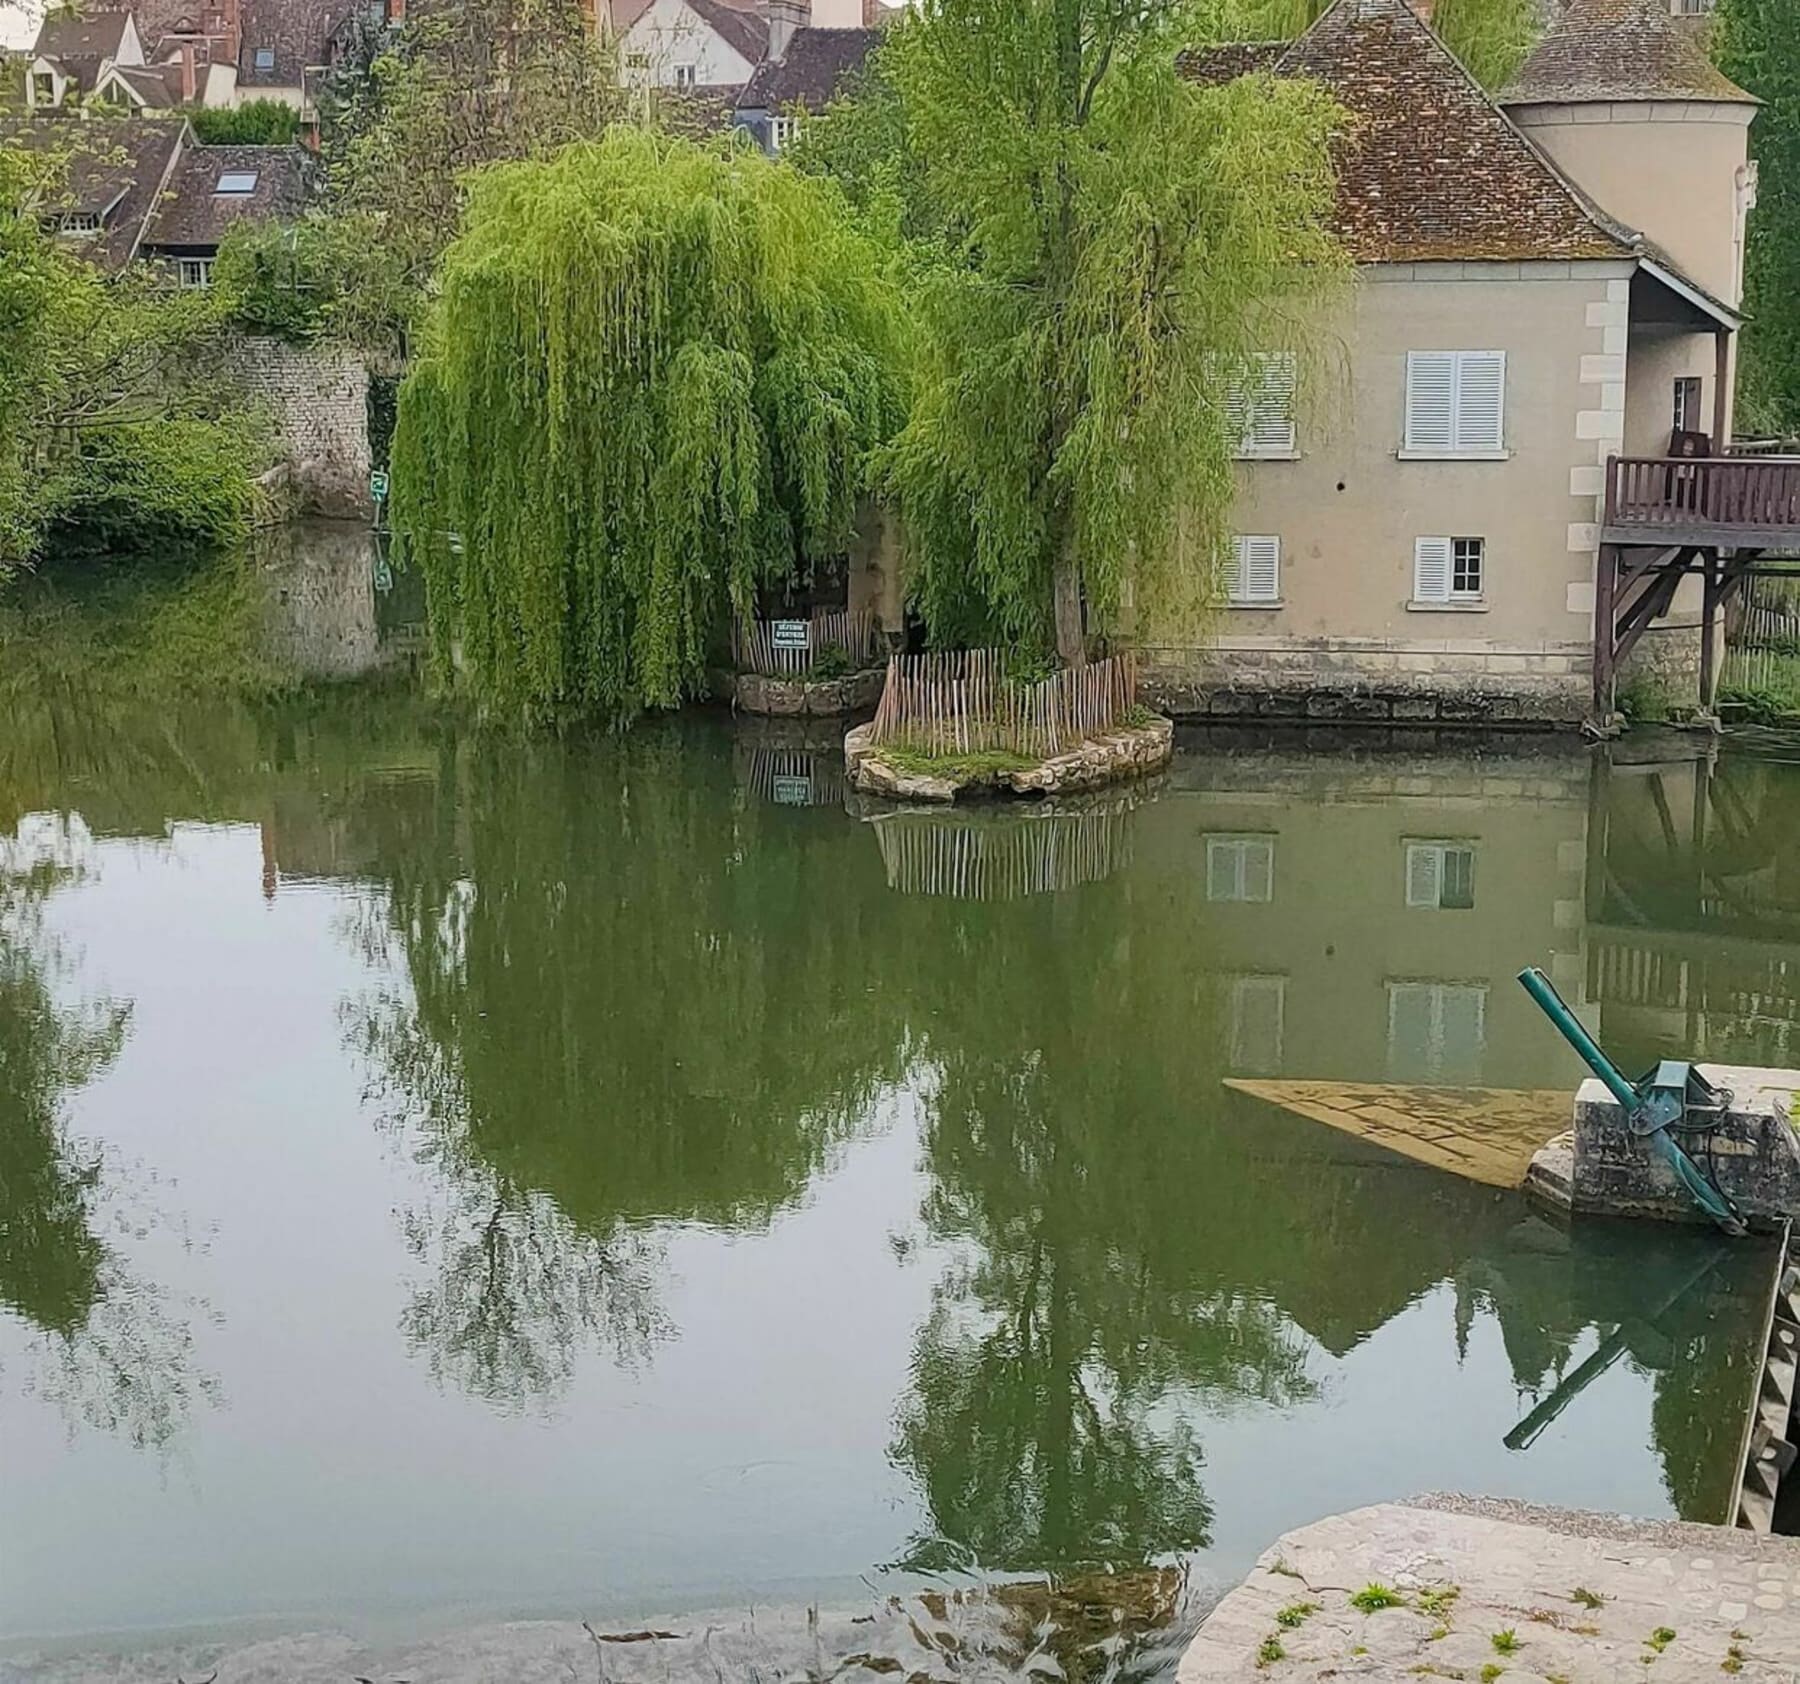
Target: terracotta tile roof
x,y
193,216
113,167
817,62
742,29
1429,169
1211,66
297,32
1620,50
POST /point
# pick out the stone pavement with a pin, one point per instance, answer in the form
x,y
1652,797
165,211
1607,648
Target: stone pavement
x,y
1493,1589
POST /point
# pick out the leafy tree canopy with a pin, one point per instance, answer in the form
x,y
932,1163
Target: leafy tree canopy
x,y
652,383
258,122
1099,242
1758,46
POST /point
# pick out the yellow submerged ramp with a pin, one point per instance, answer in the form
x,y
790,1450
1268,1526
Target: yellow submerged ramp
x,y
1485,1134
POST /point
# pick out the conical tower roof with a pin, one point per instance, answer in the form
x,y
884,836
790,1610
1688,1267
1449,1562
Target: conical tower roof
x,y
1610,50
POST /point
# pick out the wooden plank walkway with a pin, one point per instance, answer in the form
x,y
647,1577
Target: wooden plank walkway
x,y
1487,1135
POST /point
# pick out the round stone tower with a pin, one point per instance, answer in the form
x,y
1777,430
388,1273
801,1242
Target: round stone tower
x,y
1624,98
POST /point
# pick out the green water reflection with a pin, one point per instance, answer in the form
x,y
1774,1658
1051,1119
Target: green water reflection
x,y
641,1176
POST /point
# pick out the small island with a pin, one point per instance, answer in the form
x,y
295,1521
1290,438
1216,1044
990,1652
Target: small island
x,y
966,723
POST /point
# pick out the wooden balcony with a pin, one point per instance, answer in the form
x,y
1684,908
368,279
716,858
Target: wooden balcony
x,y
1746,502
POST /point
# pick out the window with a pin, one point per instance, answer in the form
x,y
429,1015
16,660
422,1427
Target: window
x,y
82,222
1259,405
194,271
1455,403
1440,875
1687,405
1691,8
234,182
1258,1006
781,131
43,88
1448,572
637,61
264,58
1437,1031
684,75
1240,868
1253,572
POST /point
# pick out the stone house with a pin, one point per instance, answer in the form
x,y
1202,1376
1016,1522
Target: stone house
x,y
1545,282
687,45
815,52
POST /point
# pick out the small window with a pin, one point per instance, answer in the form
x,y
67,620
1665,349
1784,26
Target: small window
x,y
637,61
1440,875
1449,570
1455,403
1259,405
82,222
194,272
43,88
1691,8
685,75
264,58
1437,1031
1258,1017
234,182
1253,572
781,131
1240,868
1687,405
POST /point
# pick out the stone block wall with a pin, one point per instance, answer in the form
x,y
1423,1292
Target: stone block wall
x,y
1372,681
318,398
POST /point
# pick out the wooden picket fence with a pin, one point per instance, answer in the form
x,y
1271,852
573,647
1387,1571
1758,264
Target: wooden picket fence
x,y
964,703
756,646
1762,644
971,857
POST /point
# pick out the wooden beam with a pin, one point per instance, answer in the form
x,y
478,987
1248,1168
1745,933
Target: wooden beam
x,y
1651,605
1709,619
1721,426
1606,573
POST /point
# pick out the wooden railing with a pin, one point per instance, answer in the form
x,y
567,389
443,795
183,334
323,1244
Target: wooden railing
x,y
780,648
965,702
1665,497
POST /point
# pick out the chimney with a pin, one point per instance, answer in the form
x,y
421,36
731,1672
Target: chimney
x,y
190,82
396,11
871,13
1424,11
785,16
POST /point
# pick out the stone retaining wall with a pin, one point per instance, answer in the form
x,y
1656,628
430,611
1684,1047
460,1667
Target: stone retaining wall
x,y
1114,757
817,698
318,398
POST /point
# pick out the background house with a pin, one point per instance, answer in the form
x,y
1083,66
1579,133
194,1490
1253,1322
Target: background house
x,y
688,44
808,64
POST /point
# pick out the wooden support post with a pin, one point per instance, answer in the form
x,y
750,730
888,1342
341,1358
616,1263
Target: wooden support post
x,y
1709,619
1721,420
1606,572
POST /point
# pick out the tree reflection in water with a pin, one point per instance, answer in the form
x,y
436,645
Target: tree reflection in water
x,y
109,1352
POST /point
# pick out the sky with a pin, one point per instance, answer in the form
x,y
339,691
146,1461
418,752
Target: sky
x,y
18,22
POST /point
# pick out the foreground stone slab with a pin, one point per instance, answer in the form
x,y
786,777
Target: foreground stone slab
x,y
1484,1134
1569,1596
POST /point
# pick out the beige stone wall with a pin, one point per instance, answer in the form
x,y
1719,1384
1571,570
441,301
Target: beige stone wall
x,y
318,400
1658,357
1347,509
1669,169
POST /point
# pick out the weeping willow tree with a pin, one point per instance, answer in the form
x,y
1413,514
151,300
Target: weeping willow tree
x,y
1111,237
652,384
1490,37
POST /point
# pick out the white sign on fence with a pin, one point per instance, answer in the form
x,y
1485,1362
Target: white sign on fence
x,y
791,792
790,634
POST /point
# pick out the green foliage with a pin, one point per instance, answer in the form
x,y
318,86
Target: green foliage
x,y
292,281
1661,1638
1644,700
1587,1598
1491,1671
987,763
1371,1599
1438,1601
409,113
1756,45
1491,37
116,422
833,661
651,386
258,122
1295,1614
1270,1651
1505,1642
1100,240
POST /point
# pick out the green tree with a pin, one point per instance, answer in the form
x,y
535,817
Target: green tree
x,y
1108,242
652,384
1758,46
257,122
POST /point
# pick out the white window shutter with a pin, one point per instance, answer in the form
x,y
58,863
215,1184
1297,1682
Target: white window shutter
x,y
1253,573
1431,569
1234,570
1259,870
1481,400
1431,400
1424,863
1272,430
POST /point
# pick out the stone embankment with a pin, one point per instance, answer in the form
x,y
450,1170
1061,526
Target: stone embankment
x,y
1476,1589
795,698
1131,751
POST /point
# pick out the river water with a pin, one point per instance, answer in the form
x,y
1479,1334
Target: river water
x,y
453,1175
